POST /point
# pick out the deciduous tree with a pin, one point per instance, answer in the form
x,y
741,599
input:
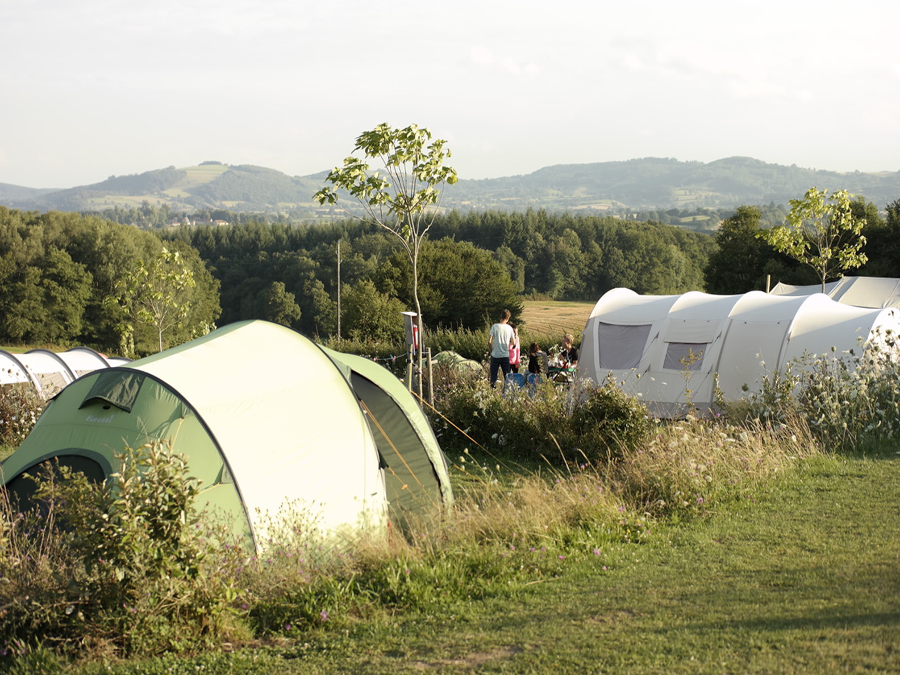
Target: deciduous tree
x,y
371,315
404,201
739,262
821,232
279,305
155,293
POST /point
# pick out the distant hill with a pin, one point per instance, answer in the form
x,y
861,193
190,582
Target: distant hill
x,y
633,185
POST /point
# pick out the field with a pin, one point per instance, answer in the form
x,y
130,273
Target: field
x,y
555,318
799,578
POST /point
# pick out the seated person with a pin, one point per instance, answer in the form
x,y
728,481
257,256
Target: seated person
x,y
537,359
569,353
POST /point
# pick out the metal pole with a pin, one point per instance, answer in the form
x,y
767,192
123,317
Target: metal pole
x,y
430,379
409,367
339,289
421,351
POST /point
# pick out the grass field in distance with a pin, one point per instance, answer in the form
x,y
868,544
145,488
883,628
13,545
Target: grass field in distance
x,y
555,318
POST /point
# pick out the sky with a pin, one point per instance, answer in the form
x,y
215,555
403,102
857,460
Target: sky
x,y
95,88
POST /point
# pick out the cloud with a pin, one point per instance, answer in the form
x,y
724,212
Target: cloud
x,y
484,57
744,88
481,55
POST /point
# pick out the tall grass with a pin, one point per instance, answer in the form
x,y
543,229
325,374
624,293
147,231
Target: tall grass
x,y
848,401
125,567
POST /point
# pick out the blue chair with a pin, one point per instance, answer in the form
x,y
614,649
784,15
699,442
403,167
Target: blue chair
x,y
515,380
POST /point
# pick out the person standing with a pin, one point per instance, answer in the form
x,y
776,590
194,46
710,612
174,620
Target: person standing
x,y
515,349
501,336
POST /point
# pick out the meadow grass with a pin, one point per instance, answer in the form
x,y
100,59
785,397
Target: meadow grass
x,y
798,575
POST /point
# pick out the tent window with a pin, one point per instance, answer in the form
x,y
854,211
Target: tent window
x,y
117,388
621,347
684,355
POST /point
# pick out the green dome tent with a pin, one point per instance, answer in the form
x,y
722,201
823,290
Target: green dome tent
x,y
266,419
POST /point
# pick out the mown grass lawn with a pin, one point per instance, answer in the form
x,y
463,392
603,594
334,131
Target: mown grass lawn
x,y
802,577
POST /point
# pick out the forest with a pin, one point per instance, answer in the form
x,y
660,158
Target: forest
x,y
472,267
59,270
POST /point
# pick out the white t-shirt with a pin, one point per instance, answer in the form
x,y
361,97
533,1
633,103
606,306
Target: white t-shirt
x,y
502,334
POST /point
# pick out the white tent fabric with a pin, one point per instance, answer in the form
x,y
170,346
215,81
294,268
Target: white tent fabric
x,y
321,451
674,351
873,292
49,372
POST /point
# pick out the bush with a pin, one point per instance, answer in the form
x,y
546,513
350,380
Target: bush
x,y
848,401
573,425
127,566
20,407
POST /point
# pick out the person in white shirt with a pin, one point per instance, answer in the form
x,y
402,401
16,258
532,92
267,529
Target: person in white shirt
x,y
500,338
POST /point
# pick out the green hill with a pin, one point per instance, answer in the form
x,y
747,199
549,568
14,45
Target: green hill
x,y
633,185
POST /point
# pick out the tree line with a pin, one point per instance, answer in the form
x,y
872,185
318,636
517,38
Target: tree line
x,y
744,260
58,270
473,266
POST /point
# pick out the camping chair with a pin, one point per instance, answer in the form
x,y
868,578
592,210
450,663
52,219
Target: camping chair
x,y
517,379
514,381
533,380
562,376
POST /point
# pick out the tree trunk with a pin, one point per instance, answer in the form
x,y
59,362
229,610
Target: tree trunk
x,y
421,345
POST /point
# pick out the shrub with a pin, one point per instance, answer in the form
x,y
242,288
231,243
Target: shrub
x,y
846,399
20,407
127,566
545,421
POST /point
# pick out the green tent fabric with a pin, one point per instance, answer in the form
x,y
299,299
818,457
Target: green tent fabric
x,y
414,479
449,358
269,421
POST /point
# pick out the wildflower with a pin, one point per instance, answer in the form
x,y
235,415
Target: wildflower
x,y
323,615
596,551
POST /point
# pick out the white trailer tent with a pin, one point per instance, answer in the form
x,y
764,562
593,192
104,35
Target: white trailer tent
x,y
49,372
874,292
674,351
